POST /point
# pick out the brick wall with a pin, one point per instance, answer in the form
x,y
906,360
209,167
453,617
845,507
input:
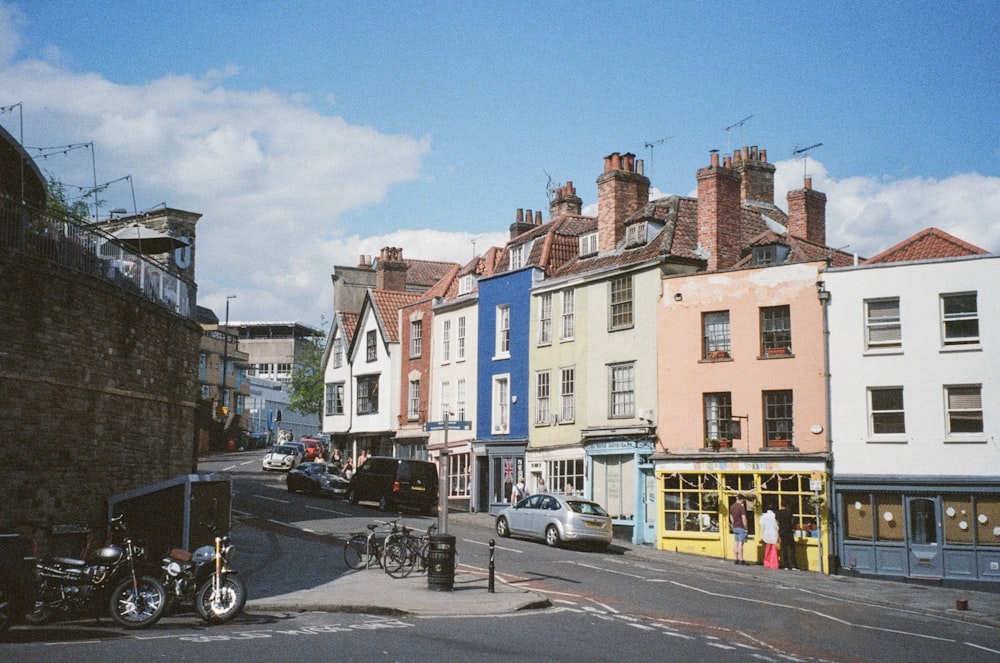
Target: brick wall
x,y
98,395
719,213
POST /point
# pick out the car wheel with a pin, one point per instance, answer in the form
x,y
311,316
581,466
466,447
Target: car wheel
x,y
352,496
503,528
552,536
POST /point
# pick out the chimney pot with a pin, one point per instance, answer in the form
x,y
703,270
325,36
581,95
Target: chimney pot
x,y
809,183
538,217
763,155
727,162
616,161
713,158
640,167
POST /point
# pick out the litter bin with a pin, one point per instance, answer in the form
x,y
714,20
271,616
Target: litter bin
x,y
441,563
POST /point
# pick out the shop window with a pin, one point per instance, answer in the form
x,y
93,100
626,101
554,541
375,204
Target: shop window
x,y
458,474
959,520
988,520
857,510
793,489
565,476
742,484
691,502
889,516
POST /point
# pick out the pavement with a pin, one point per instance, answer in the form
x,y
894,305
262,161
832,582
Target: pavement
x,y
372,591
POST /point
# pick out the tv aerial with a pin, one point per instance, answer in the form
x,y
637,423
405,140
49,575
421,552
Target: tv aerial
x,y
804,153
732,126
650,145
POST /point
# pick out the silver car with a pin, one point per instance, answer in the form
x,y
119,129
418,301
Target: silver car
x,y
281,457
557,519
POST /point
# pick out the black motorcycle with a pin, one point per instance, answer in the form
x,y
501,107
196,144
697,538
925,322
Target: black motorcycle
x,y
114,577
205,580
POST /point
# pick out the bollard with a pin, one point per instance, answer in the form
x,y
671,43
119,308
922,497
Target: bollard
x,y
492,585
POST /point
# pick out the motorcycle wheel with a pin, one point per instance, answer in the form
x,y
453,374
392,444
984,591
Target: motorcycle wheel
x,y
219,607
40,616
138,607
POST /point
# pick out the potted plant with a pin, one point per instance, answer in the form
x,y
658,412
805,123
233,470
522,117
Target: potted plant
x,y
782,444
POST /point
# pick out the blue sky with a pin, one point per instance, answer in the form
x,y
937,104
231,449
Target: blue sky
x,y
308,133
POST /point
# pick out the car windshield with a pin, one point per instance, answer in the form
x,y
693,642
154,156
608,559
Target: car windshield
x,y
283,450
586,508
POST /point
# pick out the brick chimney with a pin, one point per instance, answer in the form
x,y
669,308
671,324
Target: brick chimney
x,y
807,213
719,213
390,272
757,174
565,202
522,223
621,190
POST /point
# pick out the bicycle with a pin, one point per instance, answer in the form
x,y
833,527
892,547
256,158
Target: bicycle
x,y
404,552
361,550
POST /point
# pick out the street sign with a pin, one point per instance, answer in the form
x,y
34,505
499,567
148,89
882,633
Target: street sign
x,y
452,425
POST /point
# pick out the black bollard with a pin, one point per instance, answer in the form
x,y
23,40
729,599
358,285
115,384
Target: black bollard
x,y
492,586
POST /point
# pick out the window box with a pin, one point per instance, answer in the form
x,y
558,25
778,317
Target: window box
x,y
720,444
773,352
779,444
717,354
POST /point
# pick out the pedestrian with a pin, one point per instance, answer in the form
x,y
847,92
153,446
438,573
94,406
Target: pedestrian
x,y
518,492
786,536
348,469
769,535
540,485
738,521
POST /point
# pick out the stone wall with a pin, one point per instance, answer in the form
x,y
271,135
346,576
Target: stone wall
x,y
97,394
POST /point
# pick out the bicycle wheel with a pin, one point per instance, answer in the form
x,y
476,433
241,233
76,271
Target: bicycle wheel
x,y
356,551
398,558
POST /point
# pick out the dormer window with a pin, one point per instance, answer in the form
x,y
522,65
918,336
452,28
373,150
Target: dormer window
x,y
588,245
465,284
519,255
635,235
770,254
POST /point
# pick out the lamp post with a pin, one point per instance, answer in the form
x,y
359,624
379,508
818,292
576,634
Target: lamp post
x,y
225,358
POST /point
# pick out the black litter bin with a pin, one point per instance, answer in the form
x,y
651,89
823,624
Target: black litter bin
x,y
441,563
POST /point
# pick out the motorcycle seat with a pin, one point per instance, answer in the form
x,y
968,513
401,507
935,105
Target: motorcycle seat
x,y
69,561
180,555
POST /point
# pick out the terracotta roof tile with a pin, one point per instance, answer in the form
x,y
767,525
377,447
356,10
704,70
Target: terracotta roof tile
x,y
349,323
928,244
387,305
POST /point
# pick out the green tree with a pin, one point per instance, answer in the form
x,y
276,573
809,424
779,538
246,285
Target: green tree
x,y
307,388
58,204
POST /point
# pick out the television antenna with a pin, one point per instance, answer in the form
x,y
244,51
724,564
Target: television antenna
x,y
804,151
551,188
734,126
649,146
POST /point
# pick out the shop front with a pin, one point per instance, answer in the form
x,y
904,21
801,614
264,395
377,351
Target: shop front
x,y
694,497
498,467
459,471
618,471
932,531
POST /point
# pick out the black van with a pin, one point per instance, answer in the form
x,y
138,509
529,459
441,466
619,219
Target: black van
x,y
396,482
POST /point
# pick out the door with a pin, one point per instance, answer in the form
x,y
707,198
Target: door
x,y
923,537
647,533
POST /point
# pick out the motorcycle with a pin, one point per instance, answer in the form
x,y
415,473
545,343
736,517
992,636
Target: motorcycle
x,y
113,576
205,579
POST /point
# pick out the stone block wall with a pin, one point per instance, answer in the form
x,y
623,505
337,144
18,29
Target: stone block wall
x,y
97,394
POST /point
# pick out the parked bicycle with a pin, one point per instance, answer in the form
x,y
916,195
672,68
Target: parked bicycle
x,y
363,550
405,552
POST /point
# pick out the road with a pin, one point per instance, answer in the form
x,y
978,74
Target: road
x,y
624,604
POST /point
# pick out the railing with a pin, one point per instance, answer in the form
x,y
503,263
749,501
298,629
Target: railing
x,y
70,243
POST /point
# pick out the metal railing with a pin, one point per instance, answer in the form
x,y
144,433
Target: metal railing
x,y
71,243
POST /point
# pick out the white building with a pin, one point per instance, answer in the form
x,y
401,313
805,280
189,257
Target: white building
x,y
914,423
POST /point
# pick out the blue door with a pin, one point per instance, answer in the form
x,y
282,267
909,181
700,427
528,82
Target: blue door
x,y
923,537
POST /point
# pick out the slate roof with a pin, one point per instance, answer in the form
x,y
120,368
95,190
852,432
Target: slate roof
x,y
801,250
426,272
928,244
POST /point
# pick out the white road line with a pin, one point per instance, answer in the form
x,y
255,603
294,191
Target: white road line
x,y
601,568
273,499
496,547
317,508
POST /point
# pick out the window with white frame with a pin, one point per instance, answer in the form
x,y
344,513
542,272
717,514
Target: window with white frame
x,y
542,402
458,475
715,335
620,313
460,412
501,404
565,476
465,284
718,416
413,401
622,388
886,414
567,394
965,409
371,346
568,328
545,319
335,398
446,341
588,244
882,324
445,399
416,337
460,350
960,319
519,255
503,331
367,390
338,352
635,235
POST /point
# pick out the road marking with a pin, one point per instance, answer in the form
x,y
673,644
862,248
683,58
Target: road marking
x,y
319,508
480,543
975,646
273,499
601,568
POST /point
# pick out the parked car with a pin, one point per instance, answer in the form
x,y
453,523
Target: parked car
x,y
318,479
282,457
556,519
314,448
396,482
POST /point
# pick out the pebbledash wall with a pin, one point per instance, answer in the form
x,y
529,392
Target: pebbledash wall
x,y
97,394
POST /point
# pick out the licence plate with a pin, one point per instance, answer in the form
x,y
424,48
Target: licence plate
x,y
418,488
593,524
